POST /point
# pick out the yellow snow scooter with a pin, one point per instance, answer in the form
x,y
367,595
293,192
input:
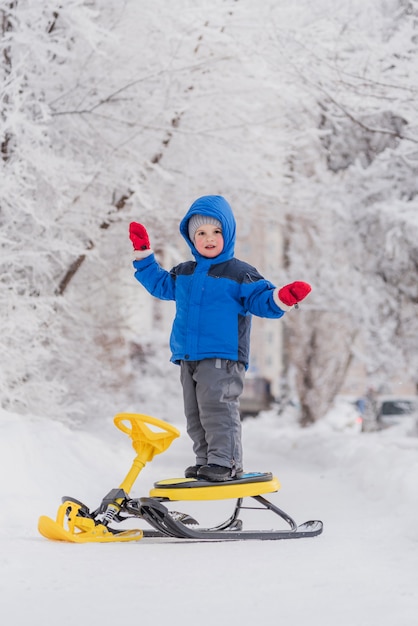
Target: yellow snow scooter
x,y
150,436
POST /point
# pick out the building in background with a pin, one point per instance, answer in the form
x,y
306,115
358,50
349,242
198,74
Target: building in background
x,y
260,243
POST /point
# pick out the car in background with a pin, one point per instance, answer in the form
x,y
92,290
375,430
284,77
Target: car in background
x,y
256,396
344,415
396,410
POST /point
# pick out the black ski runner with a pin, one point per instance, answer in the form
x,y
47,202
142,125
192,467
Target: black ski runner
x,y
159,517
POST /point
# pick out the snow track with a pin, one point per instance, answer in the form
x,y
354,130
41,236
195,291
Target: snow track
x,y
362,570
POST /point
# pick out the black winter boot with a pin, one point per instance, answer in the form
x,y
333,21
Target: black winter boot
x,y
217,473
191,472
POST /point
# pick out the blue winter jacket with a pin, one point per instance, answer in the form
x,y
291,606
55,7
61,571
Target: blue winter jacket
x,y
215,298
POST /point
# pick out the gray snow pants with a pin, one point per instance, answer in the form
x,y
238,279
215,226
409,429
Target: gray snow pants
x,y
211,390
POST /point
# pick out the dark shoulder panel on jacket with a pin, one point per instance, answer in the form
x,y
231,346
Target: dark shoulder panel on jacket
x,y
184,269
235,270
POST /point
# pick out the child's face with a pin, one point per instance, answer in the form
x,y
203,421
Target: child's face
x,y
209,241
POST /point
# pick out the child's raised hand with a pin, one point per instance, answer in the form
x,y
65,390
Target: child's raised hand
x,y
139,236
294,293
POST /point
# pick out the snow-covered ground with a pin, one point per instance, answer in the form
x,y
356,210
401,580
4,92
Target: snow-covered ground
x,y
362,570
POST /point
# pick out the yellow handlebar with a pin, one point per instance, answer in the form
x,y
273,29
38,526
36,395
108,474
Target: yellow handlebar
x,y
145,441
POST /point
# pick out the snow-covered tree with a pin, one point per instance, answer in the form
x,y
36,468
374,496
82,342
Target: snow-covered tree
x,y
355,182
38,233
300,114
113,112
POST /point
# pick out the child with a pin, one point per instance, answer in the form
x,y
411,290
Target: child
x,y
215,297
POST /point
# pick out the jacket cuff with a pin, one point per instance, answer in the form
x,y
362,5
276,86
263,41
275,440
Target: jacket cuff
x,y
141,254
279,303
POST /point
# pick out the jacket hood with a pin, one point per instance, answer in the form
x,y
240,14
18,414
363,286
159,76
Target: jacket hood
x,y
219,208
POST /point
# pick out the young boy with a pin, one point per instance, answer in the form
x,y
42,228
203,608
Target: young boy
x,y
215,297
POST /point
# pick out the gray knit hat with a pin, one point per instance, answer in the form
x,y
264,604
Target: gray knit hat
x,y
198,220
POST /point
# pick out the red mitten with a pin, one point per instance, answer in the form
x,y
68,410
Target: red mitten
x,y
294,293
139,236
